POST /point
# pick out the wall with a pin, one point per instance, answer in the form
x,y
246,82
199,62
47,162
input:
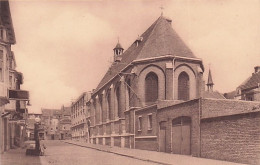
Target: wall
x,y
233,138
146,138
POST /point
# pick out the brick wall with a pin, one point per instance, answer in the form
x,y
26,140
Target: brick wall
x,y
233,138
117,141
146,144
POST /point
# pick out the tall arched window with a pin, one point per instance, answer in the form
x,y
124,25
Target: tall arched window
x,y
128,95
118,103
151,87
109,104
183,86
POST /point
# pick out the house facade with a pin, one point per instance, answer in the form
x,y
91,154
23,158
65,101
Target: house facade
x,y
79,116
13,100
250,89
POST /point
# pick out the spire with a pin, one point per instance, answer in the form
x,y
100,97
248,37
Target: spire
x,y
118,51
210,81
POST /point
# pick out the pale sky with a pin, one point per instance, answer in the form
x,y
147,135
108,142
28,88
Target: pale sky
x,y
65,47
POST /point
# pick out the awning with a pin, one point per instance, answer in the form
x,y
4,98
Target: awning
x,y
5,114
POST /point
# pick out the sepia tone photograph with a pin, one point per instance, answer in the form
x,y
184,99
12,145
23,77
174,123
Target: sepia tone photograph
x,y
133,82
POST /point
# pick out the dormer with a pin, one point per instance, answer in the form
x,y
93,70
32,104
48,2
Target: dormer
x,y
138,40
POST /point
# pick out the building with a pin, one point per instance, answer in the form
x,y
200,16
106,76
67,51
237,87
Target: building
x,y
50,121
78,117
65,123
12,99
250,89
153,97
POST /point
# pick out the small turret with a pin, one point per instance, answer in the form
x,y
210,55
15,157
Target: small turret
x,y
118,51
210,82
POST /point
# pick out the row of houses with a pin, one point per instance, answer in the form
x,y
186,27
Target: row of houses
x,y
13,100
153,97
55,124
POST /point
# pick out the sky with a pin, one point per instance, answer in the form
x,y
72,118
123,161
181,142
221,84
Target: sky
x,y
63,48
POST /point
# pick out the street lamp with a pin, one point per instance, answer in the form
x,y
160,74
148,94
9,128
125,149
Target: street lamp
x,y
36,136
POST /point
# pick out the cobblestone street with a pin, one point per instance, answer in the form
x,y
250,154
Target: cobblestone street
x,y
79,153
60,153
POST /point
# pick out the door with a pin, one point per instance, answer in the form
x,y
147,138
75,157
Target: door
x,y
162,137
181,135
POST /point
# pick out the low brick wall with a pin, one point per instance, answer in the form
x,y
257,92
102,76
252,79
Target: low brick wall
x,y
233,138
146,144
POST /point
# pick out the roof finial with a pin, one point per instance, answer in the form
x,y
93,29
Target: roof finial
x,y
162,8
117,39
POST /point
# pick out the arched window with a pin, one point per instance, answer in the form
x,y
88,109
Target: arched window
x,y
151,87
183,86
109,104
118,103
100,109
128,94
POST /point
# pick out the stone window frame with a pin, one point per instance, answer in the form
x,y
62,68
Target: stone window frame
x,y
149,121
140,123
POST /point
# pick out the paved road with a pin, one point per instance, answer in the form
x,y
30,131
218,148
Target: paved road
x,y
59,153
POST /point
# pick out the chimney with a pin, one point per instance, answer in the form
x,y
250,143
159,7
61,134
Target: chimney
x,y
257,69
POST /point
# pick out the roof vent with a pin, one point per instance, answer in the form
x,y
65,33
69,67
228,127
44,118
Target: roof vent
x,y
138,40
168,20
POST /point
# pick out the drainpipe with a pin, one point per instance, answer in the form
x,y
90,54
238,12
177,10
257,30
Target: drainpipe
x,y
200,126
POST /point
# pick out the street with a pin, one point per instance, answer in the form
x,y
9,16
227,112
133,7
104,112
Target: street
x,y
60,153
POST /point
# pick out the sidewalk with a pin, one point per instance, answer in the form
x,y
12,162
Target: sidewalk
x,y
18,157
152,156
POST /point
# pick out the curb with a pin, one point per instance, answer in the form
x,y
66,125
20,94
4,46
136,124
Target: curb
x,y
121,154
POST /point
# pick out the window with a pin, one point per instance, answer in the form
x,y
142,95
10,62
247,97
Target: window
x,y
101,108
151,87
150,119
140,123
109,104
2,33
183,86
128,90
1,65
10,81
118,101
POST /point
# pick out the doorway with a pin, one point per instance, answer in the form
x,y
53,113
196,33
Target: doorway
x,y
181,135
162,136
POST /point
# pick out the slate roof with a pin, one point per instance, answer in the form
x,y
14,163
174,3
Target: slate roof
x,y
6,20
213,95
118,46
158,40
251,82
230,95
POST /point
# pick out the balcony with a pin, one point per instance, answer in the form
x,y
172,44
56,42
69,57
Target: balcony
x,y
18,94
